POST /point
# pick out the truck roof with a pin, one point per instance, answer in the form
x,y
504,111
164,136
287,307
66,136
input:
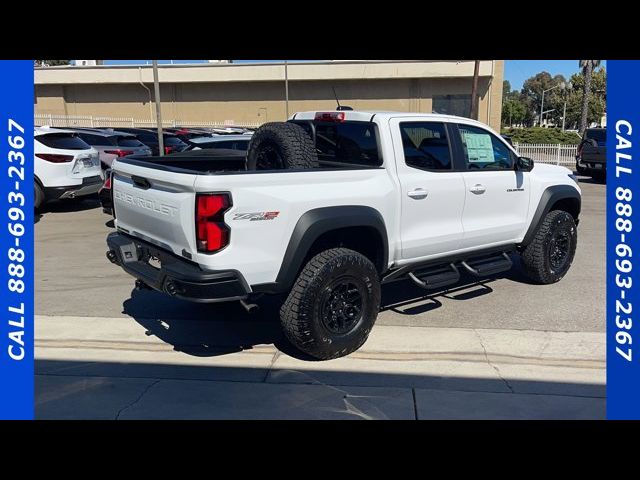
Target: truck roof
x,y
368,115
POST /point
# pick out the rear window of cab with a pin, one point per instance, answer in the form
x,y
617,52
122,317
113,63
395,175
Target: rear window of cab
x,y
345,144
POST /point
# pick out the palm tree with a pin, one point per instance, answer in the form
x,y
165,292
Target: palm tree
x,y
587,66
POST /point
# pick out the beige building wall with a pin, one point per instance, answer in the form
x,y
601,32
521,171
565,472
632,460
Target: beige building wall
x,y
251,101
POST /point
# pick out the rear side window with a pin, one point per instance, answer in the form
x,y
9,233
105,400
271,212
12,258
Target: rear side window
x,y
63,141
128,142
426,145
354,143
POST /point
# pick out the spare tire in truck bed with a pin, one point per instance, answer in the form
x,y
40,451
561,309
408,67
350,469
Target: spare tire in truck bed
x,y
279,146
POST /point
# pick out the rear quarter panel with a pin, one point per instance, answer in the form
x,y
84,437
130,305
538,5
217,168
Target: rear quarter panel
x,y
257,247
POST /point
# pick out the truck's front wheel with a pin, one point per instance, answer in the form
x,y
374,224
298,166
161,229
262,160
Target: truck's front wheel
x,y
333,305
549,256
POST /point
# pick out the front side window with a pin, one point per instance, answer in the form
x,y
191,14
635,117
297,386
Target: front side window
x,y
426,145
483,150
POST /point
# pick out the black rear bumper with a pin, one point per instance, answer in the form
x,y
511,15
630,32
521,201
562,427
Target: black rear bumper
x,y
175,276
89,185
591,164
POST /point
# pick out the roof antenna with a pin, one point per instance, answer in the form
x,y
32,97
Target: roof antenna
x,y
340,107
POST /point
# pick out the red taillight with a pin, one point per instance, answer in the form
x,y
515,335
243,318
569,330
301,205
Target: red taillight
x,y
336,117
107,181
212,234
55,158
168,150
119,153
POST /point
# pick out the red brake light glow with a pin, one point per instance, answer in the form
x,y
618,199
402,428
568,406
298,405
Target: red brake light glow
x,y
335,117
55,158
119,153
212,234
168,150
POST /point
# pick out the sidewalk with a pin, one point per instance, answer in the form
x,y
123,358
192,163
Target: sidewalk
x,y
109,368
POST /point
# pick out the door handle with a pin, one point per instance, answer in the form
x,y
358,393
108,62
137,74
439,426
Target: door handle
x,y
418,194
478,189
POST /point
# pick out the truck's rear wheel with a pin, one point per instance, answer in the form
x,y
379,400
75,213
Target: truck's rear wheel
x,y
333,305
549,256
278,146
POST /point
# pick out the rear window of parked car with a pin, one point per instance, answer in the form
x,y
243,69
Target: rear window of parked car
x,y
96,140
63,141
597,134
171,140
147,137
349,143
128,142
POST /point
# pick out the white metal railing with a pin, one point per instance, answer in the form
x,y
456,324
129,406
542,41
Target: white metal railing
x,y
556,154
95,121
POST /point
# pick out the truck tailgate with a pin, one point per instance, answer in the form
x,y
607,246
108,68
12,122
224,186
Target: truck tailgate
x,y
155,205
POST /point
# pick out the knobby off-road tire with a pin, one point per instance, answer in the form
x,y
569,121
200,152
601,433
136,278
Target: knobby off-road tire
x,y
549,256
278,146
333,305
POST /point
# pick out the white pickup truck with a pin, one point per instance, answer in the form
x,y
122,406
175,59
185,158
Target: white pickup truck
x,y
329,206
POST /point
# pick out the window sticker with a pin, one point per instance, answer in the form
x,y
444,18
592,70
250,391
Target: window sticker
x,y
479,147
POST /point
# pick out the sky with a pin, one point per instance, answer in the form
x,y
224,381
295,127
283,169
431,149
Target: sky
x,y
516,71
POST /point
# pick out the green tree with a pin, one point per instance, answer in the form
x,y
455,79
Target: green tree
x,y
587,66
532,91
514,110
597,99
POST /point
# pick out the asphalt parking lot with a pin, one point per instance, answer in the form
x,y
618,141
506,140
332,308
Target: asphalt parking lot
x,y
510,349
73,277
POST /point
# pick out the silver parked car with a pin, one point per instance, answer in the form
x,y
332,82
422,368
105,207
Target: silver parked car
x,y
112,144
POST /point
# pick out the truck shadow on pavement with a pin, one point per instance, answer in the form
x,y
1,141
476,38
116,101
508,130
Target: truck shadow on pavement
x,y
208,330
80,204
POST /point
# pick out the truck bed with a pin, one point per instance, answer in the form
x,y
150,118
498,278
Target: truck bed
x,y
202,162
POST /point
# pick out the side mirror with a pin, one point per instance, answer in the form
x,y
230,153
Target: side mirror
x,y
524,164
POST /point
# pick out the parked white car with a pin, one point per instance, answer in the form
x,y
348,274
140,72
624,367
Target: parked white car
x,y
64,166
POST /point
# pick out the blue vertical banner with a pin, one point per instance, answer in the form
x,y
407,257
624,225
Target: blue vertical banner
x,y
16,240
623,245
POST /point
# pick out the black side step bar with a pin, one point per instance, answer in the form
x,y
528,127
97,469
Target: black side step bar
x,y
488,266
436,277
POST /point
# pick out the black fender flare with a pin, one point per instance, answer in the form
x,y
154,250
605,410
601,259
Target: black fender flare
x,y
549,197
319,221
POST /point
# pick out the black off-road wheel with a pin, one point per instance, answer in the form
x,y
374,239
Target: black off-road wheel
x,y
281,146
333,305
549,256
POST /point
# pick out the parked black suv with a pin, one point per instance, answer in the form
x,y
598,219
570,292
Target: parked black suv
x,y
591,159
